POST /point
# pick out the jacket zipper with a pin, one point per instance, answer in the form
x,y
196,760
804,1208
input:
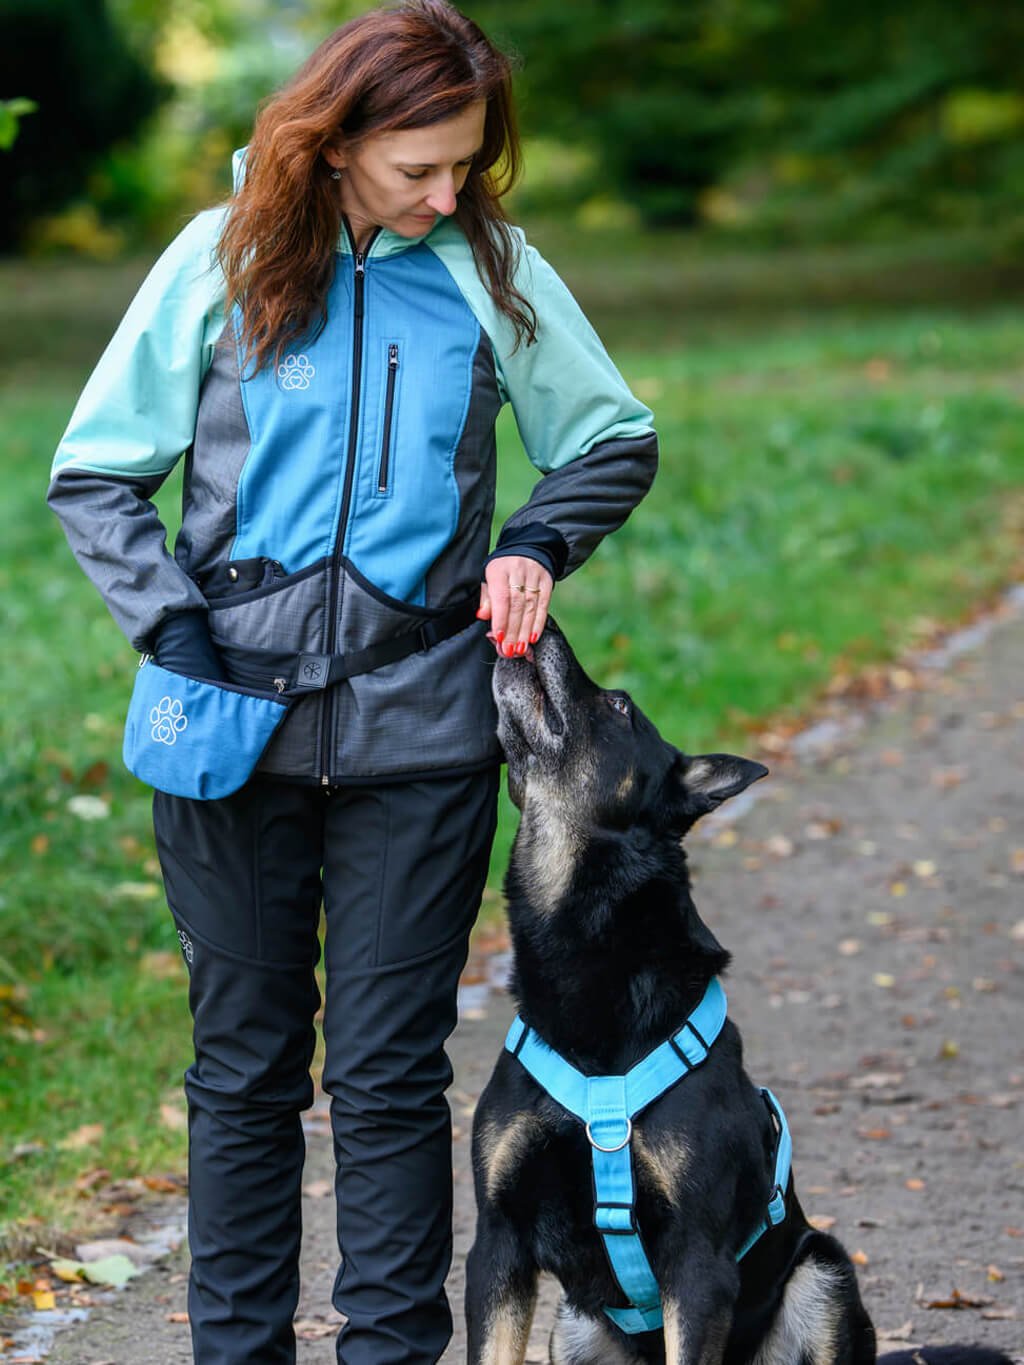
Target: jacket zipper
x,y
389,403
359,261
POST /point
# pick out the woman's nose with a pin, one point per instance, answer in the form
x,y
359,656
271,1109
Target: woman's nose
x,y
442,197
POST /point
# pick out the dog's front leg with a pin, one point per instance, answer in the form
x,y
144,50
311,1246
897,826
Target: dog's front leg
x,y
501,1291
697,1305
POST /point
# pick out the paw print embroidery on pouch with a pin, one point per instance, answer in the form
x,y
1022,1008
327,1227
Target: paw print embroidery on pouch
x,y
295,372
168,720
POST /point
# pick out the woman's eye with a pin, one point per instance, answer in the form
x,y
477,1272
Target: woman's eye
x,y
414,175
620,704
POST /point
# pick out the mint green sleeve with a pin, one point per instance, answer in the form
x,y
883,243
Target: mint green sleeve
x,y
581,426
137,412
135,418
565,391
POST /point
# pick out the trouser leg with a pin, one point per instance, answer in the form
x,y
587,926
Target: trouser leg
x,y
404,870
243,883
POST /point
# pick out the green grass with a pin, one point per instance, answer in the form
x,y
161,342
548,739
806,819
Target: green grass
x,y
838,462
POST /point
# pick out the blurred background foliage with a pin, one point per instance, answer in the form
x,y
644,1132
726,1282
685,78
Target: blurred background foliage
x,y
771,121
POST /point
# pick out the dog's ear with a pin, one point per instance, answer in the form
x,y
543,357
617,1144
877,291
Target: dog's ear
x,y
707,780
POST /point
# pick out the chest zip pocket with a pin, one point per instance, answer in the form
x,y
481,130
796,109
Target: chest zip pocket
x,y
384,470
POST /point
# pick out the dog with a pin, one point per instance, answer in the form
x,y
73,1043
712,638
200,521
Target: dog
x,y
610,957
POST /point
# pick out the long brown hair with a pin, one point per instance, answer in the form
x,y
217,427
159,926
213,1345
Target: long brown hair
x,y
407,66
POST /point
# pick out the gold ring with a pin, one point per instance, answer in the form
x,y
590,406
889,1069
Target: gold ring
x,y
533,589
518,587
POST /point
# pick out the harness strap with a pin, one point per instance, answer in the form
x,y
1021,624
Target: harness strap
x,y
783,1162
607,1105
296,674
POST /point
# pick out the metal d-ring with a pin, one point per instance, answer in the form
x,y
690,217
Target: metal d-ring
x,y
623,1143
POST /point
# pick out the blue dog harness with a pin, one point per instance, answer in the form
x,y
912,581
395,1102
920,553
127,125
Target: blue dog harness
x,y
607,1105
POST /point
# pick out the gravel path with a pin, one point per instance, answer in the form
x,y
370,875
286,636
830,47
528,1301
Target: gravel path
x,y
872,897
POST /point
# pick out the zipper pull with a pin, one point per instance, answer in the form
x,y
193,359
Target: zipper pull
x,y
392,357
360,262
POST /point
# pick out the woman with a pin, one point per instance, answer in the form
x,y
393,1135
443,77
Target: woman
x,y
330,351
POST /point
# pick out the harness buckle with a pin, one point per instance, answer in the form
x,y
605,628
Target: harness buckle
x,y
615,1220
618,1148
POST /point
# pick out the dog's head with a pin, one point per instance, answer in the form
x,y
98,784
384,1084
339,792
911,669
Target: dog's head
x,y
589,759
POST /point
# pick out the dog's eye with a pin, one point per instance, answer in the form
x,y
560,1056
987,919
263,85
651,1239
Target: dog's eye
x,y
620,704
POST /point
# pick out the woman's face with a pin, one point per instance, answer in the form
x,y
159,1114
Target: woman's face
x,y
403,180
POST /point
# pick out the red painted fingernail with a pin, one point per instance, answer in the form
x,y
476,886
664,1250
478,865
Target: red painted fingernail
x,y
521,647
510,649
499,635
534,638
481,615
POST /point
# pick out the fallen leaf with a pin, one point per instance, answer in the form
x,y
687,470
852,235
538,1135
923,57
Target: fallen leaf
x,y
110,1270
137,891
727,839
999,1314
995,1274
314,1331
1017,861
859,1257
949,1049
875,1134
877,1080
174,1116
914,1183
163,1184
849,947
902,1333
897,889
44,1300
958,1300
779,846
82,1137
884,979
821,1221
822,829
944,778
1013,1232
89,807
175,1317
924,867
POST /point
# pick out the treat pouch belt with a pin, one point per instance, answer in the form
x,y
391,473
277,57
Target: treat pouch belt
x,y
189,737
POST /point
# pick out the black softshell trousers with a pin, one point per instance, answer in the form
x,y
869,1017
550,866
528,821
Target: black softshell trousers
x,y
400,869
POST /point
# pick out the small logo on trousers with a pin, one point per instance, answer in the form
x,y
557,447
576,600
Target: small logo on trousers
x,y
168,720
295,372
187,949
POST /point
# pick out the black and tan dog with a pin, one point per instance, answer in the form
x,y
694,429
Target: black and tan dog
x,y
610,958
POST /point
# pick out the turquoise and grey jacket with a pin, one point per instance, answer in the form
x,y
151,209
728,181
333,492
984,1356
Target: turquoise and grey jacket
x,y
345,495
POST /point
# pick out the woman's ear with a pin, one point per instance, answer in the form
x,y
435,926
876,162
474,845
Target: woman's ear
x,y
335,157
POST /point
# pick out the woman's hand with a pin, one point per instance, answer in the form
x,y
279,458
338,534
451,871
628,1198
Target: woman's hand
x,y
515,600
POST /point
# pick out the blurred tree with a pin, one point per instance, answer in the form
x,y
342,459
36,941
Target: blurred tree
x,y
90,91
911,108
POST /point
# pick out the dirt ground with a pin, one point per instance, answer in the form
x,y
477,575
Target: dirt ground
x,y
872,898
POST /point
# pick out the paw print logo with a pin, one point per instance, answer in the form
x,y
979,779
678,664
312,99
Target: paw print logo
x,y
168,720
295,372
187,947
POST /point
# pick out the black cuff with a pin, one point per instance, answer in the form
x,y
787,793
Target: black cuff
x,y
534,541
182,643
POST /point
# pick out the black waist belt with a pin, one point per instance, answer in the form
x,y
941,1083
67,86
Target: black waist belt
x,y
292,675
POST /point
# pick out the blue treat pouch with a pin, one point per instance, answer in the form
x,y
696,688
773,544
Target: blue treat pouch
x,y
193,738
